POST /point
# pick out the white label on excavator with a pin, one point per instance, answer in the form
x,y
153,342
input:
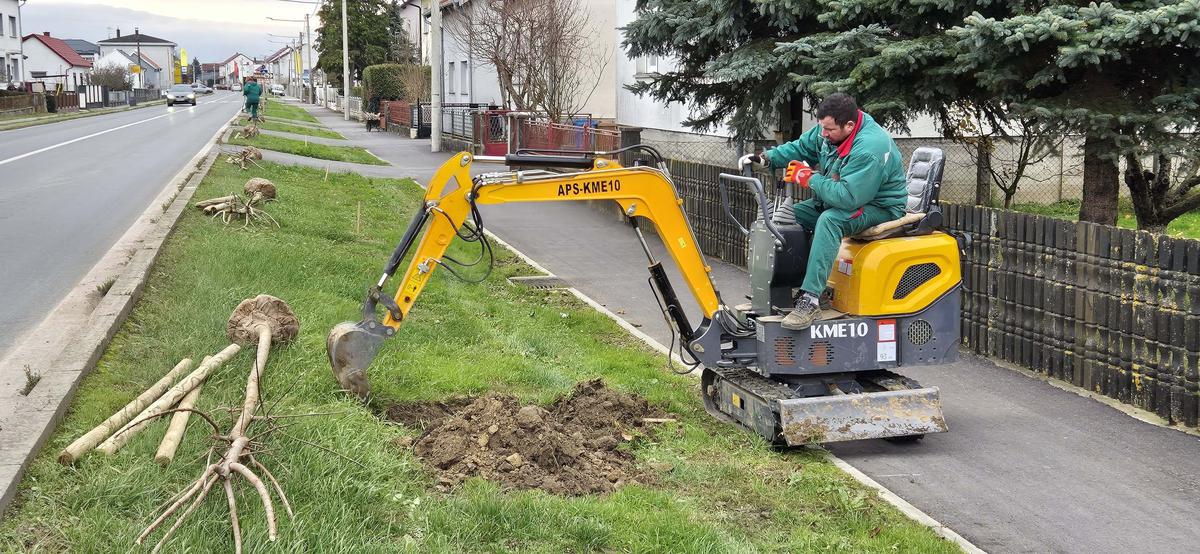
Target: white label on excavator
x,y
845,265
886,352
886,347
887,331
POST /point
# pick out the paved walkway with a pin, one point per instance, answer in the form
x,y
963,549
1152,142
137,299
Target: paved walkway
x,y
1026,467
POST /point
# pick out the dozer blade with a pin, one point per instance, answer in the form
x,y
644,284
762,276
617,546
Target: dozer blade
x,y
873,415
352,348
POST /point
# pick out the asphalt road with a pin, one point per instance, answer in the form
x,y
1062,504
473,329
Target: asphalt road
x,y
1026,467
69,190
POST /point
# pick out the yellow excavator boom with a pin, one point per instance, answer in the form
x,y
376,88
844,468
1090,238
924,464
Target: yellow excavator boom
x,y
641,191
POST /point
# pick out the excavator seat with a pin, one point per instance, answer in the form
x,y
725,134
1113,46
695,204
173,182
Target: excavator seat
x,y
923,214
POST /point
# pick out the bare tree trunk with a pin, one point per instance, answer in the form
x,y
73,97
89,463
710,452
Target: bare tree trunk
x,y
1101,186
983,173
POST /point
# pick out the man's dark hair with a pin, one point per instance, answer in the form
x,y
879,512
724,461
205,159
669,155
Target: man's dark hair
x,y
840,106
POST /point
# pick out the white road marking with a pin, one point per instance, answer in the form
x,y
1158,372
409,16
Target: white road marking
x,y
93,135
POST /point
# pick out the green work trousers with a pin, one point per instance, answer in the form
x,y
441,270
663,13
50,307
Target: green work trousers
x,y
252,107
829,226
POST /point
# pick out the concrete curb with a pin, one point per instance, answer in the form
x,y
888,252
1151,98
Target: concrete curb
x,y
890,497
66,346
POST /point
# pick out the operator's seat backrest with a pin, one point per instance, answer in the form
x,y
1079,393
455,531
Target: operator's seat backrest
x,y
923,215
924,179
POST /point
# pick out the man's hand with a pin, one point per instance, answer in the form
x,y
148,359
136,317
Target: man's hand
x,y
753,160
798,172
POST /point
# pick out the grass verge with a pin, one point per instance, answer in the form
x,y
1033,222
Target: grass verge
x,y
356,154
1186,225
716,489
274,109
296,129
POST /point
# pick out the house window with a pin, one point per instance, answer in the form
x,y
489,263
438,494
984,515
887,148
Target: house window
x,y
450,79
464,83
12,26
647,65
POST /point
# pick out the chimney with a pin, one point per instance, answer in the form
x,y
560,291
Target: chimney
x,y
118,32
47,33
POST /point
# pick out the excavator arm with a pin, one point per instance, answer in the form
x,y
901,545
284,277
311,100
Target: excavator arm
x,y
452,199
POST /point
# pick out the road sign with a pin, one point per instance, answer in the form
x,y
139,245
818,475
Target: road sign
x,y
135,68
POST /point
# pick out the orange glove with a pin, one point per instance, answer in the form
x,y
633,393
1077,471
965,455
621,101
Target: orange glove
x,y
798,172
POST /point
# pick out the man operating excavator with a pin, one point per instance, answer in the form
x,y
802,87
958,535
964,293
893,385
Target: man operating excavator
x,y
856,175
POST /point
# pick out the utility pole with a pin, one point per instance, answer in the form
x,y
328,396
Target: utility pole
x,y
435,61
311,87
137,36
345,67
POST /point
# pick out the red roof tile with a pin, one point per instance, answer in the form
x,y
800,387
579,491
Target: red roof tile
x,y
61,48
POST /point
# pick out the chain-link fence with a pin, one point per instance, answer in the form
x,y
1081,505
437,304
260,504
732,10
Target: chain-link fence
x,y
998,173
1003,173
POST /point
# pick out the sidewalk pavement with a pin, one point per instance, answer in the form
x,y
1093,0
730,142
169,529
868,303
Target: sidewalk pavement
x,y
1026,466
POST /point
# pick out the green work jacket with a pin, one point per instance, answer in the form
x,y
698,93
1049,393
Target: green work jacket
x,y
252,91
873,172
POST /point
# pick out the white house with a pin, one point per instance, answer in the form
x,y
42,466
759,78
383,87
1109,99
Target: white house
x,y
150,70
467,80
52,61
235,68
281,65
11,61
160,51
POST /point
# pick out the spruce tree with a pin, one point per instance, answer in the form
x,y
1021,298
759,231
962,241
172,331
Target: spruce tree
x,y
1124,75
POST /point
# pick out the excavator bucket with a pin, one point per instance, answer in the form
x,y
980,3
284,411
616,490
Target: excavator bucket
x,y
352,348
875,415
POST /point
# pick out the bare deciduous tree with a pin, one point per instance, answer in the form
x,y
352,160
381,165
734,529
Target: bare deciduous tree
x,y
1028,145
114,76
541,50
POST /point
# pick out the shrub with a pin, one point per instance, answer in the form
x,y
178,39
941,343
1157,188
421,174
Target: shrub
x,y
391,81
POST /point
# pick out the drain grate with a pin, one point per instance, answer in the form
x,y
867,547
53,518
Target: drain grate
x,y
540,282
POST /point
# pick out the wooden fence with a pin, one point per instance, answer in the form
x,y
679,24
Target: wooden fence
x,y
20,104
1112,310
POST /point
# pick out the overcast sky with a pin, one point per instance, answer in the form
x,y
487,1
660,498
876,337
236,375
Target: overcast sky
x,y
211,30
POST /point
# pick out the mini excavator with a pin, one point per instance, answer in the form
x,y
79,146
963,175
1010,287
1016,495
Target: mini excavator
x,y
893,297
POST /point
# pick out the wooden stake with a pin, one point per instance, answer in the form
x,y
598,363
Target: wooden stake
x,y
170,398
89,440
174,434
358,219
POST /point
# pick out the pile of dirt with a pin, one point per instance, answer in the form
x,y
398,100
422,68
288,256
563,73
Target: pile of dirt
x,y
571,448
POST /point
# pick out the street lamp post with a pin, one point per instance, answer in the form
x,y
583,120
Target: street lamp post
x,y
345,66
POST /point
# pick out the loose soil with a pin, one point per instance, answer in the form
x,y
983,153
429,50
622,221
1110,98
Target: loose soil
x,y
571,448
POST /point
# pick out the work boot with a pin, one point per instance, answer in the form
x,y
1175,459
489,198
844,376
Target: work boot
x,y
802,317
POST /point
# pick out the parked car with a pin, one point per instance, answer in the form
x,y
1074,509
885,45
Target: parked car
x,y
181,94
277,89
235,87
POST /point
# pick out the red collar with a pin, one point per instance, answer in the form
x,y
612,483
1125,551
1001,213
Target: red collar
x,y
843,149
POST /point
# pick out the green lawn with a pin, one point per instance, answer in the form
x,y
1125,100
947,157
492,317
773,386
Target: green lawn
x,y
1187,225
296,129
274,109
715,488
355,154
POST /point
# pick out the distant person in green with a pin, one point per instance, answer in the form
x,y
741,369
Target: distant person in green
x,y
856,175
252,91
